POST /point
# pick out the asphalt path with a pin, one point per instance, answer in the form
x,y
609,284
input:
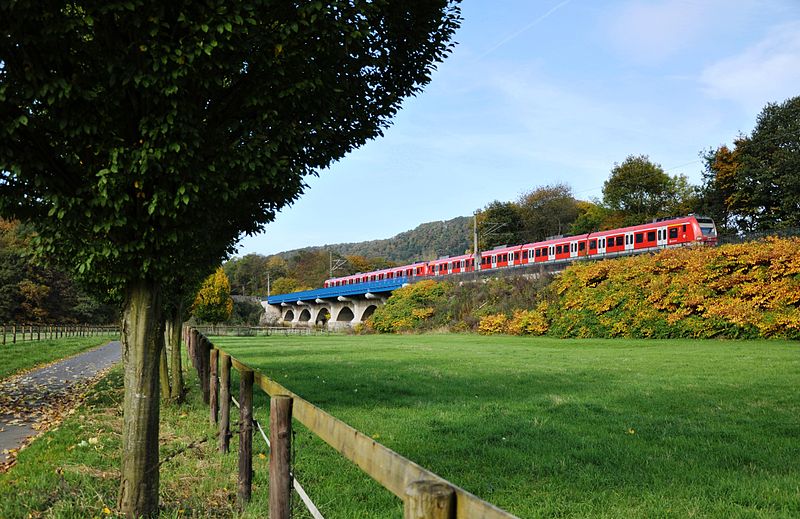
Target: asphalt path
x,y
31,395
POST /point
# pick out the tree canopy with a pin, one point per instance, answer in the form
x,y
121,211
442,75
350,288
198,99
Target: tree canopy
x,y
642,190
755,185
143,137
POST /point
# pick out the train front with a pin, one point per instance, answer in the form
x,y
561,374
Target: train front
x,y
708,231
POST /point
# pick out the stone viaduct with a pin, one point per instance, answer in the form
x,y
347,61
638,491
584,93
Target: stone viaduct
x,y
333,307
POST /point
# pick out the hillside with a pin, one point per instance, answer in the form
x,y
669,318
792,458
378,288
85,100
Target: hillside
x,y
427,241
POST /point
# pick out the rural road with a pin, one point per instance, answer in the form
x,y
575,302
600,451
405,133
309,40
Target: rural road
x,y
27,399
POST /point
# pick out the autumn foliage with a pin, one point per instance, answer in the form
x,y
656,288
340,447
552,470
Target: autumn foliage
x,y
736,291
213,303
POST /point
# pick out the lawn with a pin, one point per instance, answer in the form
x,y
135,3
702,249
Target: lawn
x,y
26,355
546,427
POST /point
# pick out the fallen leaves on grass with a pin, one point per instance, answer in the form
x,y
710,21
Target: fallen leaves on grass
x,y
35,404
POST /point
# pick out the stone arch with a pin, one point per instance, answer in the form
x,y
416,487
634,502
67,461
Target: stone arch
x,y
345,315
323,315
288,316
305,315
368,312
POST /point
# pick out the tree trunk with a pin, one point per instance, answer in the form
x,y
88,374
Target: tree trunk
x,y
174,322
163,372
142,340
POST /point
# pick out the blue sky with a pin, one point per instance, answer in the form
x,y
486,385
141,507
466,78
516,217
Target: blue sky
x,y
538,92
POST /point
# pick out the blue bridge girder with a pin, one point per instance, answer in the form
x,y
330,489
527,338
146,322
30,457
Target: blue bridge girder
x,y
358,289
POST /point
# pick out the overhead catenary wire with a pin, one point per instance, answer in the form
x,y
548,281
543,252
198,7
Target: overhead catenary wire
x,y
312,508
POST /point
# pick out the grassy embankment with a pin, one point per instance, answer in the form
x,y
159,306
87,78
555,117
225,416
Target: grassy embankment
x,y
23,356
538,426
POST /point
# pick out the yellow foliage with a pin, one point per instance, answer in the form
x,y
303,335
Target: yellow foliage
x,y
493,324
749,289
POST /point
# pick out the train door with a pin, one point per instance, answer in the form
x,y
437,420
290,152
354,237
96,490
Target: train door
x,y
573,249
661,236
494,261
601,245
629,241
551,253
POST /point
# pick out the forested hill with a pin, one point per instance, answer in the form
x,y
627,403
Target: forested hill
x,y
427,241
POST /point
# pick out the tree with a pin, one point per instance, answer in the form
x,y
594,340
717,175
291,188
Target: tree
x,y
768,176
592,216
718,195
547,211
642,190
213,303
500,223
144,137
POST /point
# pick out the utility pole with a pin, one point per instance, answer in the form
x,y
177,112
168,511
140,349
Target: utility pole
x,y
475,252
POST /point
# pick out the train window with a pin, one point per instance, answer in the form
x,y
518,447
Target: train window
x,y
538,253
673,232
651,236
582,245
558,249
619,241
684,227
592,244
640,238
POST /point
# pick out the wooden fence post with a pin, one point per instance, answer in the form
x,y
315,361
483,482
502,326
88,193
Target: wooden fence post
x,y
204,364
245,437
280,456
429,500
13,334
214,388
38,332
225,402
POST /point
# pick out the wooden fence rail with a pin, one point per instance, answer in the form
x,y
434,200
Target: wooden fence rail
x,y
425,495
15,332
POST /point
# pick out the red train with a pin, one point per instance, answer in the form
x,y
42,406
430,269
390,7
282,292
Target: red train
x,y
673,232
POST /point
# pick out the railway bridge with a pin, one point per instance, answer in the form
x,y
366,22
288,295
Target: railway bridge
x,y
332,307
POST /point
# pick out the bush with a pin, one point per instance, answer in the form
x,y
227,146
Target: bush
x,y
493,324
529,322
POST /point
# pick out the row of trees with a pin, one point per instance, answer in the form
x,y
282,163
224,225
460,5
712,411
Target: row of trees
x,y
752,187
143,138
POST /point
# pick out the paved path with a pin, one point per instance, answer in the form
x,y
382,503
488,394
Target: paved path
x,y
34,395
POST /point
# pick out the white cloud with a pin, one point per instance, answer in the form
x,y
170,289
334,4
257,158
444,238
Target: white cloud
x,y
768,71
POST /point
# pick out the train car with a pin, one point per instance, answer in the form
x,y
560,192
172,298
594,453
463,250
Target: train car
x,y
451,265
501,257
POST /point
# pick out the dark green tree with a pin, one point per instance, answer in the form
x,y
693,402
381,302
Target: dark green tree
x,y
499,223
641,190
768,178
144,137
547,211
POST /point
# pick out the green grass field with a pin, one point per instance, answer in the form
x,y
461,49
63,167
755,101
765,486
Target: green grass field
x,y
26,355
545,427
